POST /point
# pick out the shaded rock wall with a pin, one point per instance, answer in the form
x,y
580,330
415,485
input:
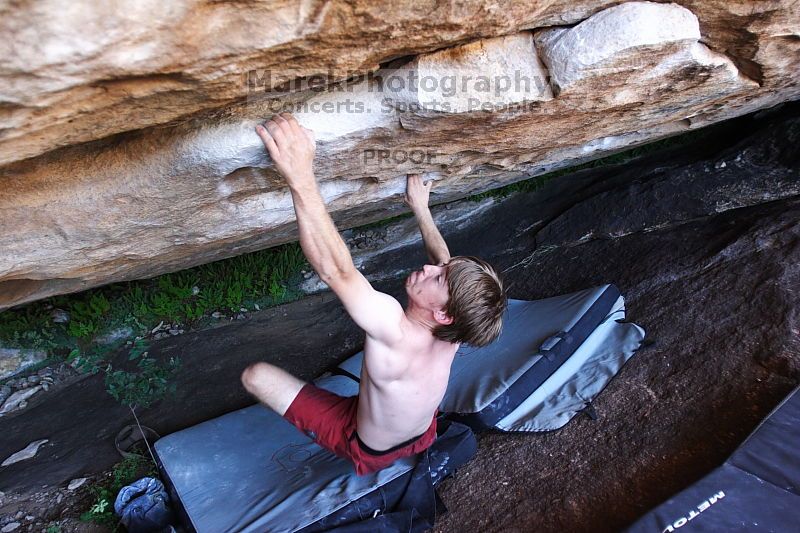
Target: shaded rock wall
x,y
717,295
192,183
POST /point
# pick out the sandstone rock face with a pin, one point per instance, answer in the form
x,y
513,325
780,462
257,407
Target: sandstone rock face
x,y
481,76
605,40
73,75
193,184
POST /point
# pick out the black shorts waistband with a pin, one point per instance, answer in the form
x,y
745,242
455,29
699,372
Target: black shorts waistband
x,y
390,450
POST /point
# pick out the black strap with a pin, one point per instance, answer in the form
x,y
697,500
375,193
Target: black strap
x,y
372,451
415,512
342,372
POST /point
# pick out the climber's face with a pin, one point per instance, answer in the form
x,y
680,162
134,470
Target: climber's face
x,y
427,287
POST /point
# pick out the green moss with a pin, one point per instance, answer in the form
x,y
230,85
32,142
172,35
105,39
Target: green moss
x,y
265,278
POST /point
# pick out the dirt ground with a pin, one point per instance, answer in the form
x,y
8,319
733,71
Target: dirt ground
x,y
704,243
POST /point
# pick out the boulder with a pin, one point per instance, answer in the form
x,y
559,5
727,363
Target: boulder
x,y
486,75
109,85
14,360
614,39
74,75
26,453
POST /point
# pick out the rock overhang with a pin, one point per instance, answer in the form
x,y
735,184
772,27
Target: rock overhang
x,y
166,198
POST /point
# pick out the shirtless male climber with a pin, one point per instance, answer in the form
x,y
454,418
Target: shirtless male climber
x,y
407,353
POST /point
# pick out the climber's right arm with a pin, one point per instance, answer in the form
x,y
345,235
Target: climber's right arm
x,y
291,148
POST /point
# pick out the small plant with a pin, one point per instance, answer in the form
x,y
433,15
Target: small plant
x,y
90,361
144,387
235,293
99,512
53,528
138,388
104,494
276,289
134,302
99,507
33,339
24,327
86,316
194,311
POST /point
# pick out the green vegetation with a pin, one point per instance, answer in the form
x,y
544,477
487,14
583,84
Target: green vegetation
x,y
187,298
134,388
184,297
104,494
144,386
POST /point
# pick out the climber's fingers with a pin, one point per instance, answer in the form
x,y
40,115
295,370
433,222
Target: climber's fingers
x,y
289,118
277,133
269,142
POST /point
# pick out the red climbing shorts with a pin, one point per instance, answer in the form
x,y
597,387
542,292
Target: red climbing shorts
x,y
330,420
